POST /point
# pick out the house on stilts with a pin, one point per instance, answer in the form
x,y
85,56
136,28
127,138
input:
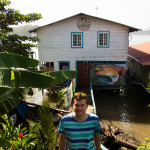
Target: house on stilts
x,y
97,48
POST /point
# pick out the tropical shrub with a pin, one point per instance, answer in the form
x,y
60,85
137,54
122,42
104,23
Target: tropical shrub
x,y
40,135
16,74
145,145
12,137
46,133
148,88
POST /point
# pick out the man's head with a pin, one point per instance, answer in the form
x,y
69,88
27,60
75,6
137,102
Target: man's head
x,y
79,96
80,104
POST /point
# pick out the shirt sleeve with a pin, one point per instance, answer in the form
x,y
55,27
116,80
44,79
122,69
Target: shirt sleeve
x,y
97,127
61,128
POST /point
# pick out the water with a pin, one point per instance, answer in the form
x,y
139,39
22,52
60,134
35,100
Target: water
x,y
129,113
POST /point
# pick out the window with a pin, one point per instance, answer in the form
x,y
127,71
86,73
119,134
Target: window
x,y
77,39
47,64
103,39
64,65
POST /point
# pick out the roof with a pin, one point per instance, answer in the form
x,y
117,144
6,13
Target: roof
x,y
140,52
131,29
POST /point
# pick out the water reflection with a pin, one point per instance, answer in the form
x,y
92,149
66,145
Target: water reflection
x,y
124,116
130,113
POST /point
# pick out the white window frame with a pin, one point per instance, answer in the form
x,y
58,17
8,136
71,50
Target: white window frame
x,y
105,39
79,40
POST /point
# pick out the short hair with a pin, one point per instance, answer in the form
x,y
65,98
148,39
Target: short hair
x,y
79,96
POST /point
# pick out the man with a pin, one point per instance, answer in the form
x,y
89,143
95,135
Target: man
x,y
79,130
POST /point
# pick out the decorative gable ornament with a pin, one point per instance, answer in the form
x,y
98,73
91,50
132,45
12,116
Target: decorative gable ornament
x,y
83,24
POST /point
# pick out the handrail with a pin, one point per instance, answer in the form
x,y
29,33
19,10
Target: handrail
x,y
93,101
92,96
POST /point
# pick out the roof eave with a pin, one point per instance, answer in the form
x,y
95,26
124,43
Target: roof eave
x,y
131,29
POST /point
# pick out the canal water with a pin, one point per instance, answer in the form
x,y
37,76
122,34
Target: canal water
x,y
129,113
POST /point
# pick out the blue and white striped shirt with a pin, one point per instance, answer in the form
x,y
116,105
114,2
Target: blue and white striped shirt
x,y
79,135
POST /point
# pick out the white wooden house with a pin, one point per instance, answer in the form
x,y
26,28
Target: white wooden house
x,y
80,40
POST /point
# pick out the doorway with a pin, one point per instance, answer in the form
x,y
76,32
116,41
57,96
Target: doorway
x,y
83,74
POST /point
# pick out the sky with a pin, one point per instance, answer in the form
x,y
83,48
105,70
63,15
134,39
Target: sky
x,y
135,13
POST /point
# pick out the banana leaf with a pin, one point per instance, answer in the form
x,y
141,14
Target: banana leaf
x,y
44,80
29,78
34,80
61,76
17,61
5,78
9,98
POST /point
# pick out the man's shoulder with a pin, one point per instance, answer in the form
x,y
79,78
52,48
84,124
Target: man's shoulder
x,y
93,116
67,117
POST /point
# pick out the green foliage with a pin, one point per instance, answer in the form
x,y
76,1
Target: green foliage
x,y
7,132
14,43
5,80
41,135
16,61
19,74
9,98
148,88
145,145
46,135
60,95
11,136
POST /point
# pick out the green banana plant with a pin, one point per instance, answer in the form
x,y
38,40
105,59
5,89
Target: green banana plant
x,y
18,72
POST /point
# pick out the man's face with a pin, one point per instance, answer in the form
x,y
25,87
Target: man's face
x,y
80,107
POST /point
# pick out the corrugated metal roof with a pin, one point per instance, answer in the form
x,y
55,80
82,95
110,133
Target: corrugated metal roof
x,y
141,52
131,29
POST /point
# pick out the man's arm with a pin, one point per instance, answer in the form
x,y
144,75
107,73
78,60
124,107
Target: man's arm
x,y
97,141
62,141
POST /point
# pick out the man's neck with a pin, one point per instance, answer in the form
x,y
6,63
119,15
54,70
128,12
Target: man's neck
x,y
80,118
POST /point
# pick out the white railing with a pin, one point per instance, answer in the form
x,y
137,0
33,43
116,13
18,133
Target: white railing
x,y
93,101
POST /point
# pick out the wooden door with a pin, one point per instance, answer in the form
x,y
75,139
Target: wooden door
x,y
83,74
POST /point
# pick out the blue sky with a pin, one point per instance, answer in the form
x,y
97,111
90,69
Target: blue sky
x,y
135,13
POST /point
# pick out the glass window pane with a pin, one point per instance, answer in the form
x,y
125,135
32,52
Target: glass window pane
x,y
103,39
77,39
64,66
